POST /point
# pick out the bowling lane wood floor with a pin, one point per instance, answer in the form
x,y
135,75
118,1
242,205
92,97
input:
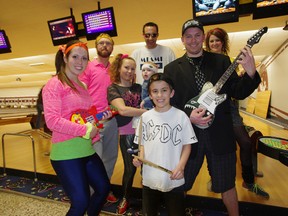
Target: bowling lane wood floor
x,y
18,155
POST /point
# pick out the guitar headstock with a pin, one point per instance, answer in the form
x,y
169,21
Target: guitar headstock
x,y
257,36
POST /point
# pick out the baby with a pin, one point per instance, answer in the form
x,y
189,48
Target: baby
x,y
148,69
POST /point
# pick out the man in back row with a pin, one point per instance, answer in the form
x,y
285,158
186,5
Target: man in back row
x,y
97,78
215,134
151,52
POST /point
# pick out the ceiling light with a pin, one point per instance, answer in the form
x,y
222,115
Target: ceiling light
x,y
36,64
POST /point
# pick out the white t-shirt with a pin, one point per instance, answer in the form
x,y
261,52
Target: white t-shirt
x,y
160,55
163,137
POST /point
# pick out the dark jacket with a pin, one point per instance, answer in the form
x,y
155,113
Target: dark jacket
x,y
213,66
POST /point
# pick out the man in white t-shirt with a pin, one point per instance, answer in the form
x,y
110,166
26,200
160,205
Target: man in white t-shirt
x,y
151,52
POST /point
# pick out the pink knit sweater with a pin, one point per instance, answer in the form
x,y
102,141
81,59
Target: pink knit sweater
x,y
60,101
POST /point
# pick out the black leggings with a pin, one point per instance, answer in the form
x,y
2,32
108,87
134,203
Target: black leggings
x,y
174,201
126,141
245,144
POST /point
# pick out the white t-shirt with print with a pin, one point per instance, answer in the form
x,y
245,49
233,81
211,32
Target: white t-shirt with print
x,y
163,136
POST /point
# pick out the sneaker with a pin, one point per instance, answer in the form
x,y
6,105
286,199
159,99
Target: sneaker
x,y
255,188
122,207
132,150
111,198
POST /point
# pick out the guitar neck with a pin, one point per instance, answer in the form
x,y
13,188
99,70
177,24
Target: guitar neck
x,y
228,72
100,115
254,39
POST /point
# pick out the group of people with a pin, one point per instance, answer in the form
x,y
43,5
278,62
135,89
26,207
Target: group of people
x,y
149,89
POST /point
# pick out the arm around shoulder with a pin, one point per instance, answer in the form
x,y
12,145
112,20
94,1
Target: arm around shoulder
x,y
126,110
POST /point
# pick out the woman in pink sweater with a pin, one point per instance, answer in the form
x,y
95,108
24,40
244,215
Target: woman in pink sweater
x,y
72,156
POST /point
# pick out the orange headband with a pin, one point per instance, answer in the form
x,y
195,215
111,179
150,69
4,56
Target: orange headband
x,y
84,45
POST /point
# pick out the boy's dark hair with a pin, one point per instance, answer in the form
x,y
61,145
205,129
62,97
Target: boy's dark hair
x,y
160,77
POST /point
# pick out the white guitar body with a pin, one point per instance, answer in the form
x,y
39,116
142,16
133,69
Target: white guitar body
x,y
207,100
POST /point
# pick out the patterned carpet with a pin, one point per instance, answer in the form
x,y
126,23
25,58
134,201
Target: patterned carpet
x,y
30,187
37,197
17,204
24,196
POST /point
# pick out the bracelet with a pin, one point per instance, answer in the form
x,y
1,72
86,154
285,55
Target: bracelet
x,y
89,127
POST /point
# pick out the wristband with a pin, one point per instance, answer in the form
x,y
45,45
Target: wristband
x,y
89,127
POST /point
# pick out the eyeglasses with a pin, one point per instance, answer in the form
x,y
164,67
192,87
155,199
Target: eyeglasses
x,y
148,35
102,43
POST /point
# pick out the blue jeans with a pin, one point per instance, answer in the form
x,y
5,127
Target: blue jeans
x,y
75,176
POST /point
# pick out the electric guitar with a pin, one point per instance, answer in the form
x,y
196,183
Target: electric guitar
x,y
209,98
92,115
